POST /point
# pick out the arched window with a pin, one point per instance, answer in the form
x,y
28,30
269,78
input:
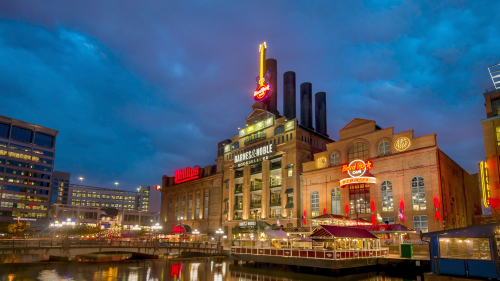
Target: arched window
x,y
384,148
336,201
386,195
314,204
418,193
334,159
358,150
279,130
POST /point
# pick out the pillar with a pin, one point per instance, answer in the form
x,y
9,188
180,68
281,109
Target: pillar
x,y
265,209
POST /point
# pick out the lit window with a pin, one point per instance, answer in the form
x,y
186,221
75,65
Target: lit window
x,y
290,172
336,201
358,150
418,194
314,204
388,220
498,135
359,198
420,224
386,195
384,148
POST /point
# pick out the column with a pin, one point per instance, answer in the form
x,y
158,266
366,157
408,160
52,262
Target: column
x,y
265,211
284,186
230,214
246,192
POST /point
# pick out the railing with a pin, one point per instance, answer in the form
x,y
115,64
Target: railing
x,y
275,202
256,204
255,138
338,254
254,187
78,243
405,241
238,188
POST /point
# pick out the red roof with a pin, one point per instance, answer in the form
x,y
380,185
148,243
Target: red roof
x,y
385,228
330,216
332,231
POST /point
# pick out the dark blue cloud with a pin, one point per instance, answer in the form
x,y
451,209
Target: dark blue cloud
x,y
138,90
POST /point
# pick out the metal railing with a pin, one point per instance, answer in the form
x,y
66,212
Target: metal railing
x,y
337,254
79,243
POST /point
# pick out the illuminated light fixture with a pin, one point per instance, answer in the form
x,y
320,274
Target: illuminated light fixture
x,y
402,143
485,183
263,87
158,187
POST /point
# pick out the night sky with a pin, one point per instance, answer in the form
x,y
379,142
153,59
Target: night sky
x,y
138,89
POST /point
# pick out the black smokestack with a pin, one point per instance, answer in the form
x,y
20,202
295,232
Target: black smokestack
x,y
320,112
289,95
272,68
306,105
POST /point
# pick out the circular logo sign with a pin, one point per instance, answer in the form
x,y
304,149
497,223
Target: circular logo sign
x,y
321,162
402,143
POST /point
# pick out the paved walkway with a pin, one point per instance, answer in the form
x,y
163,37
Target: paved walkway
x,y
415,257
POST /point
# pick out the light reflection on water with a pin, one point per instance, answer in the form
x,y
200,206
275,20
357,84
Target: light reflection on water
x,y
193,270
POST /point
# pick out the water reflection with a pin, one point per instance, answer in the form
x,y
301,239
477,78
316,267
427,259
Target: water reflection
x,y
193,270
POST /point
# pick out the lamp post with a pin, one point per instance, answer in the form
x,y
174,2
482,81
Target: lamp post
x,y
220,232
183,229
116,184
196,232
81,180
155,227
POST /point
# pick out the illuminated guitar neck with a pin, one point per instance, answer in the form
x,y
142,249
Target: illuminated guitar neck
x,y
262,50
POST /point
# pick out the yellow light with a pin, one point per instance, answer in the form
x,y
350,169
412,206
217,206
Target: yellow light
x,y
262,50
485,187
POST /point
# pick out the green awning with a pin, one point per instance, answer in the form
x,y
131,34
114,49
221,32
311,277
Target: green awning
x,y
226,180
289,205
226,200
288,166
274,157
225,212
290,190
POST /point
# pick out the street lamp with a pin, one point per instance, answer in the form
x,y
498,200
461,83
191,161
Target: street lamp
x,y
220,232
116,184
155,227
81,179
196,232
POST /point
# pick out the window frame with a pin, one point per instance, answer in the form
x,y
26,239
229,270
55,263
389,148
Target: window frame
x,y
386,148
417,195
390,208
353,152
334,156
337,209
314,203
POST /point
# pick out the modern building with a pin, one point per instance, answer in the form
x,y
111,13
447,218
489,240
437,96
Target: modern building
x,y
60,187
403,178
192,199
27,154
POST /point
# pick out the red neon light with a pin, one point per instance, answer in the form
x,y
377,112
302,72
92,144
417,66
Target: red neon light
x,y
158,187
187,174
261,92
357,166
347,209
178,229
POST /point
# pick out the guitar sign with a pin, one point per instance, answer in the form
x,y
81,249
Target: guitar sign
x,y
263,87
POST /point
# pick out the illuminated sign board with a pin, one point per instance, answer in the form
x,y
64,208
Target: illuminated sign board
x,y
290,125
263,87
187,174
356,169
485,183
256,127
178,229
321,162
402,143
227,148
247,223
254,155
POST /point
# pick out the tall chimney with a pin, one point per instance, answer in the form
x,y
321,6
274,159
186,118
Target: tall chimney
x,y
306,105
272,102
320,113
289,95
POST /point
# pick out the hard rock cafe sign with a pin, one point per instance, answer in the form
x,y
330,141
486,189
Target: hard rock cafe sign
x,y
263,87
356,170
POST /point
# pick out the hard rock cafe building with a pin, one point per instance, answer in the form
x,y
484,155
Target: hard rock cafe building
x,y
386,177
277,170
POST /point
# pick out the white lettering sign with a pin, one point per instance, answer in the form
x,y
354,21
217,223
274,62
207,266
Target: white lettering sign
x,y
255,155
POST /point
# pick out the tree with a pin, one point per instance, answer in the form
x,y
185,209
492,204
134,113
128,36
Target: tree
x,y
84,229
17,228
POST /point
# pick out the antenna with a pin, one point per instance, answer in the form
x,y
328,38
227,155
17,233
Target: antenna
x,y
495,75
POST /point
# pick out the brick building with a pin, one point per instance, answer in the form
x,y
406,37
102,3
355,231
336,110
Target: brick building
x,y
400,172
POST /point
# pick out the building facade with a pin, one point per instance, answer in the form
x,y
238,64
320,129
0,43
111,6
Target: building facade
x,y
396,177
60,188
27,154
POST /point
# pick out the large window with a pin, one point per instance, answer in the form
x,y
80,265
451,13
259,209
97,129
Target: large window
x,y
4,131
44,140
334,159
418,193
190,211
420,224
183,208
336,201
205,206
177,208
279,130
314,204
197,217
22,135
465,248
386,195
497,129
384,148
358,150
495,107
388,220
359,198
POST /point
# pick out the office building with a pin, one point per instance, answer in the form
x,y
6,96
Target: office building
x,y
60,186
27,154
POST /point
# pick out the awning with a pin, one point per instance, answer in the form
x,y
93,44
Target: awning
x,y
288,166
331,231
289,205
276,233
226,200
225,212
227,180
290,190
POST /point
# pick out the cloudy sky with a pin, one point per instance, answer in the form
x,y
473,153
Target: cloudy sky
x,y
138,89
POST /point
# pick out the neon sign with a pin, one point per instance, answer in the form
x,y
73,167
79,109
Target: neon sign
x,y
263,87
485,183
178,229
158,187
357,168
187,174
254,155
